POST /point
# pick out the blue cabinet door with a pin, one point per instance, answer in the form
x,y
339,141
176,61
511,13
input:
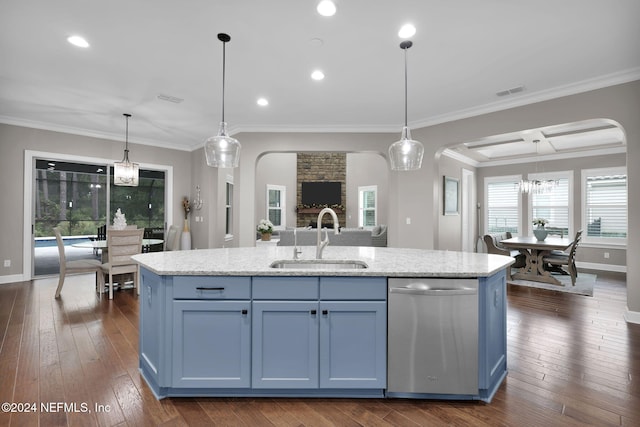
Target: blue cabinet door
x,y
285,344
493,331
151,340
211,344
353,344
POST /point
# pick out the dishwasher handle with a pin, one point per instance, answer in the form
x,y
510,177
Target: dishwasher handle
x,y
433,291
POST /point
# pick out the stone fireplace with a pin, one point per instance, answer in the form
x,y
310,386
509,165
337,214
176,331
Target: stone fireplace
x,y
314,167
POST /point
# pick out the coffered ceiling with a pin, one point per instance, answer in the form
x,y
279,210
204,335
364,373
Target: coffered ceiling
x,y
162,62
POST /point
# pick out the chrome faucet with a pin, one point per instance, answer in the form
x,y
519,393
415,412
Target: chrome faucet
x,y
296,251
336,229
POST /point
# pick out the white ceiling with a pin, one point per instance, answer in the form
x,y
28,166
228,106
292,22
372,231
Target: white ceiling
x,y
464,52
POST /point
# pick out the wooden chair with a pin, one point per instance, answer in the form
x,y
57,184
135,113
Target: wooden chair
x,y
556,260
494,247
122,244
170,242
76,266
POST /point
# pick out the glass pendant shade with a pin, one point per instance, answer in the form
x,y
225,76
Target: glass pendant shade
x,y
222,151
406,154
126,173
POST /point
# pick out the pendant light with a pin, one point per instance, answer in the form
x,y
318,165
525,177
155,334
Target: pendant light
x,y
126,173
536,186
406,154
222,151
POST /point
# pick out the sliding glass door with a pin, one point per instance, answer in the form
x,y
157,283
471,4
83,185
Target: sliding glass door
x,y
79,198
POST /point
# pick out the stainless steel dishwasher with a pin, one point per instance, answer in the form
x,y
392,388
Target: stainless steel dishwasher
x,y
433,336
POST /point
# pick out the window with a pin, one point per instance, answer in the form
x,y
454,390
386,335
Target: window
x,y
142,205
229,208
502,202
276,205
367,206
555,205
604,195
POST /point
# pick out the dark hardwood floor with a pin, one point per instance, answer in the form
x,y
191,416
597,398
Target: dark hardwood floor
x,y
573,360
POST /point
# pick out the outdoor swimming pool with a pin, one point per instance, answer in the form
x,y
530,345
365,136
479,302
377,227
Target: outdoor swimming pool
x,y
47,242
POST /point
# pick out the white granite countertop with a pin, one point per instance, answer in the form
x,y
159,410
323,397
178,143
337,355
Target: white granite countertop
x,y
388,262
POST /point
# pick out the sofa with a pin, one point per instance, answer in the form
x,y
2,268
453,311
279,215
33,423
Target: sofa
x,y
347,237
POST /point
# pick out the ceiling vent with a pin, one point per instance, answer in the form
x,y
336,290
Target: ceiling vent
x,y
170,98
510,91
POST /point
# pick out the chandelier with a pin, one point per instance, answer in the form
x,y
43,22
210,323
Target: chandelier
x,y
537,186
125,173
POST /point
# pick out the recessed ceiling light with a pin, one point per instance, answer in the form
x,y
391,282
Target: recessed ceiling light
x,y
407,30
317,75
326,8
78,41
263,102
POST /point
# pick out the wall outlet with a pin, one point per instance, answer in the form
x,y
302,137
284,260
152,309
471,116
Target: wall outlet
x,y
606,255
7,263
408,221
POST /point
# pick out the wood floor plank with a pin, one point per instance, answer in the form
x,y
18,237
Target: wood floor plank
x,y
572,361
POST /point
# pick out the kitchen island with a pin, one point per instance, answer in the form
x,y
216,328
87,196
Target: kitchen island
x,y
254,322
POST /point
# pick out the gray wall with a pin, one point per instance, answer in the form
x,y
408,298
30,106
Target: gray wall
x,y
449,232
276,169
366,169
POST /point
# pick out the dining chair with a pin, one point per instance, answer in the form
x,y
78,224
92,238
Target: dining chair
x,y
557,259
76,266
172,238
100,235
122,244
494,247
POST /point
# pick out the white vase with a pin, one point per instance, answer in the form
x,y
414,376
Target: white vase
x,y
185,240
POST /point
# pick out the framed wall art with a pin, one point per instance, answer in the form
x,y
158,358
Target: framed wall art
x,y
451,188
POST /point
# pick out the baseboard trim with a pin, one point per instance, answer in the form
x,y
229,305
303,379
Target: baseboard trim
x,y
603,267
632,316
11,278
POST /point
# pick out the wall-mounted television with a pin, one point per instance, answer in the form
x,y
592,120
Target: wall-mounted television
x,y
321,193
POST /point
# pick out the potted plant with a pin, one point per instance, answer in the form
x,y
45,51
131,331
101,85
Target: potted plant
x,y
540,232
265,228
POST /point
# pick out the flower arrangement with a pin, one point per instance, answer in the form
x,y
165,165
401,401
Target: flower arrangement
x,y
186,206
540,222
265,226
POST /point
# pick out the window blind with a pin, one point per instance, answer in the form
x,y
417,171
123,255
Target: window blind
x,y
553,206
606,206
502,207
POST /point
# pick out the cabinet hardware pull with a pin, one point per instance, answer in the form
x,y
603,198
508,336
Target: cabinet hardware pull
x,y
313,312
209,289
325,312
244,312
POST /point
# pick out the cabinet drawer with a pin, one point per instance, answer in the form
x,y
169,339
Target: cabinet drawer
x,y
285,288
208,287
353,288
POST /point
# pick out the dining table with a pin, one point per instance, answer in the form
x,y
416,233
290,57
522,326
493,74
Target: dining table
x,y
103,245
534,251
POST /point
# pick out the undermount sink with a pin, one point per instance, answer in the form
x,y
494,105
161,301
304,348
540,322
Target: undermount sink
x,y
319,264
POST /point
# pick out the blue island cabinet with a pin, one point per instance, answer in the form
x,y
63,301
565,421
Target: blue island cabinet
x,y
325,333
263,336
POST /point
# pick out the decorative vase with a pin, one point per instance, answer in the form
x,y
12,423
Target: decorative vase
x,y
185,238
540,233
266,237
